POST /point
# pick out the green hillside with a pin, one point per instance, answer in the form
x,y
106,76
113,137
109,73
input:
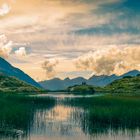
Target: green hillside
x,y
126,85
12,84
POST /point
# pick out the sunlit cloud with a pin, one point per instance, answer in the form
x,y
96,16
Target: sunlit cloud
x,y
5,46
4,9
66,29
21,52
109,61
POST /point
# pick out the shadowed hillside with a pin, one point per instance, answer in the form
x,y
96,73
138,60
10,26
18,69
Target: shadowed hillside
x,y
7,69
12,84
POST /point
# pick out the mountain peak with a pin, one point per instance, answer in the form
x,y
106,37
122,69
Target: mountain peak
x,y
67,79
131,73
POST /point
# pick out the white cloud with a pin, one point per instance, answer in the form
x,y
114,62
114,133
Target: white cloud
x,y
5,46
4,9
21,52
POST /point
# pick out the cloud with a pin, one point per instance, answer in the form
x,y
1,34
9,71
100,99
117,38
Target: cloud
x,y
49,67
4,9
21,52
68,29
109,61
57,14
5,47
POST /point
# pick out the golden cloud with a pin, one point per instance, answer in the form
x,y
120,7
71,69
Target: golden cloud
x,y
110,61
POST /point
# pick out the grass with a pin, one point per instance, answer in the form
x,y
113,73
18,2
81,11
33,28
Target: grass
x,y
17,110
110,111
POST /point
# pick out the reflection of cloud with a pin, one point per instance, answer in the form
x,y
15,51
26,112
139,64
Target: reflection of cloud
x,y
4,9
49,67
110,61
60,113
21,52
5,47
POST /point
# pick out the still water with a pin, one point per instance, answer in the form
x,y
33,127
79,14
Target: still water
x,y
65,121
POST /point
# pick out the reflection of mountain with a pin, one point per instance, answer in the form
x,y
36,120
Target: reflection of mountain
x,y
102,80
9,70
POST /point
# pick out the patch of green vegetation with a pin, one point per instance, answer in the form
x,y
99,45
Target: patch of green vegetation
x,y
12,85
109,111
17,111
81,89
127,85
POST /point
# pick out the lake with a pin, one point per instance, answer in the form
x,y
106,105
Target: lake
x,y
67,121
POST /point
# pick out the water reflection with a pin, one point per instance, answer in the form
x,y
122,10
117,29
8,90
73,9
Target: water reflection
x,y
64,121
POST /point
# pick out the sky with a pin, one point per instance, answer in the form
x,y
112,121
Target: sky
x,y
70,38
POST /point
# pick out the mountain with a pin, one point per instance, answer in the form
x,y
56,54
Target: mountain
x,y
12,84
131,73
7,69
101,81
53,84
58,84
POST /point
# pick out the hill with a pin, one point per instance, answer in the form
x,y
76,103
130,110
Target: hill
x,y
127,84
7,69
12,84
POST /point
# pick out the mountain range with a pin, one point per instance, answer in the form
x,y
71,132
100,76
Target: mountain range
x,y
101,81
7,69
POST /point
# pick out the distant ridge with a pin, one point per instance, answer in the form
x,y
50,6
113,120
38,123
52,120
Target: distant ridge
x,y
7,69
131,73
101,81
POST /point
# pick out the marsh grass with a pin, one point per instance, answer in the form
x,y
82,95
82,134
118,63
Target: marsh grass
x,y
16,111
110,112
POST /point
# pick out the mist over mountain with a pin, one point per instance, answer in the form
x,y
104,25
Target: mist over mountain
x,y
7,69
101,81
